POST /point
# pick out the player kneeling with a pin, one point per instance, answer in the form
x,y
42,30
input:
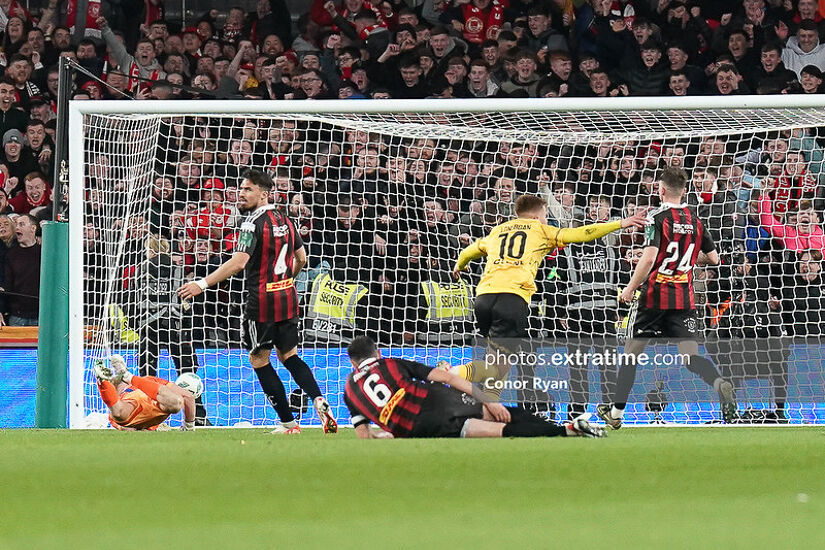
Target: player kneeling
x,y
410,399
143,402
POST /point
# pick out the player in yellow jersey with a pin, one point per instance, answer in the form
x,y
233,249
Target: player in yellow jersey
x,y
514,251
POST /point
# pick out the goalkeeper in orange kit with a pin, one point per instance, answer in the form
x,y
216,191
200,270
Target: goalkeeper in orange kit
x,y
141,402
514,251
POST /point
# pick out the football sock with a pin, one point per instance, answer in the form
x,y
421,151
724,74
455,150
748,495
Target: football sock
x,y
705,369
303,376
107,392
275,392
149,387
624,382
616,412
533,429
478,371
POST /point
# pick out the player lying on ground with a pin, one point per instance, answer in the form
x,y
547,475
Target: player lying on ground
x,y
271,251
675,242
141,402
410,399
514,251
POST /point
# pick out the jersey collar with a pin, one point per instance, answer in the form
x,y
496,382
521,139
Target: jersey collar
x,y
673,205
264,207
367,363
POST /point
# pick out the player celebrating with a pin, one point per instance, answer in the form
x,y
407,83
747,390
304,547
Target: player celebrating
x,y
674,243
514,251
272,252
141,402
409,399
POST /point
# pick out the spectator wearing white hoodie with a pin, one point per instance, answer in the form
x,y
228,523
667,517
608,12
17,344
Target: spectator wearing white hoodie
x,y
804,49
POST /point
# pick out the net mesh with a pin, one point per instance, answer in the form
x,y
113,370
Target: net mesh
x,y
385,203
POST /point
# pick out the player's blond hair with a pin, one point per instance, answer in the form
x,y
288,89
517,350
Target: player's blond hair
x,y
529,203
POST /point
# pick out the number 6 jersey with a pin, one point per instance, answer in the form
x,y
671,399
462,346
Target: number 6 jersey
x,y
270,239
678,235
389,392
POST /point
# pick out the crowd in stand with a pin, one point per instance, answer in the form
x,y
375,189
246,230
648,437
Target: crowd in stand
x,y
390,213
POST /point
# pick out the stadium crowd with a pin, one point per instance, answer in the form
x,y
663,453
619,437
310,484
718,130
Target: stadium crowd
x,y
389,213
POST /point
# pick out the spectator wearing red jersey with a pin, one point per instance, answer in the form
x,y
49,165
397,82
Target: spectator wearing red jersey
x,y
793,184
214,219
37,194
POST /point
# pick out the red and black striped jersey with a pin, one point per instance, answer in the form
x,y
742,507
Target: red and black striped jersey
x,y
678,235
271,240
388,392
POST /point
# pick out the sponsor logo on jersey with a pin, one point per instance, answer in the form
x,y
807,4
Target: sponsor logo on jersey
x,y
678,278
279,285
683,228
386,411
280,231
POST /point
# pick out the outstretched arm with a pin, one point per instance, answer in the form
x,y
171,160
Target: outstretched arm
x,y
595,231
475,250
231,266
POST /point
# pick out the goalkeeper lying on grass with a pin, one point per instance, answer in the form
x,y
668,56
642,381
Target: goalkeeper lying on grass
x,y
409,399
141,402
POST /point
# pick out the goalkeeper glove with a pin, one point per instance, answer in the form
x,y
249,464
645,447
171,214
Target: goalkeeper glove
x,y
188,426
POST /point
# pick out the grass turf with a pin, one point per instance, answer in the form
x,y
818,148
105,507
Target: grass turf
x,y
640,488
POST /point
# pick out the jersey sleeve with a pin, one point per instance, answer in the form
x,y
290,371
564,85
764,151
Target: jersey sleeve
x,y
248,237
357,418
551,236
707,245
653,233
297,241
475,250
416,370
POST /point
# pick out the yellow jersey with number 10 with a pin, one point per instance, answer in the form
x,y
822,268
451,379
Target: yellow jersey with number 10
x,y
514,251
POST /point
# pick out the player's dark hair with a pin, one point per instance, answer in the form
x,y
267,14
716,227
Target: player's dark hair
x,y
258,178
529,203
362,348
674,180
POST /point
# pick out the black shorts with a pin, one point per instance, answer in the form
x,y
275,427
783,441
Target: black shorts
x,y
501,315
444,412
282,335
678,324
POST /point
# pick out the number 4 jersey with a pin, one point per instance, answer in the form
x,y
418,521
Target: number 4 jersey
x,y
679,236
271,240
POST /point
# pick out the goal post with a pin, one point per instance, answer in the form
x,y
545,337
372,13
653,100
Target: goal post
x,y
388,192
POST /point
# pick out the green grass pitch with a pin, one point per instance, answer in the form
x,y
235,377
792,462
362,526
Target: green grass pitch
x,y
661,488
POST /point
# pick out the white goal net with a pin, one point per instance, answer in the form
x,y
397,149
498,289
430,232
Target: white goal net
x,y
385,202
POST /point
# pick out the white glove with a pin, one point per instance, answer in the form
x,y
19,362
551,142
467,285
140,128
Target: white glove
x,y
188,426
118,362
